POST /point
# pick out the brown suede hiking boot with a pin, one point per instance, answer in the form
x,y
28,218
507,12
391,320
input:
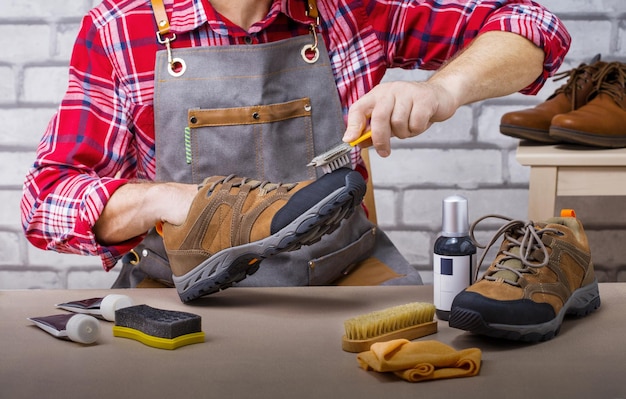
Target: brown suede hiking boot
x,y
534,123
234,223
542,272
602,121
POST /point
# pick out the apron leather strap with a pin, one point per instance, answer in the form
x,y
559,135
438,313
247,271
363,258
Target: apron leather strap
x,y
160,16
158,8
311,10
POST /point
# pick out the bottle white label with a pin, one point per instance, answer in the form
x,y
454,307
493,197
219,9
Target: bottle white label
x,y
451,275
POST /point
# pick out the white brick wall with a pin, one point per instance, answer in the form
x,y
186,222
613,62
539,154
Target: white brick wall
x,y
465,155
37,38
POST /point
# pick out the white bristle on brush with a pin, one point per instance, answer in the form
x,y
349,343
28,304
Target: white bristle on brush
x,y
340,162
338,156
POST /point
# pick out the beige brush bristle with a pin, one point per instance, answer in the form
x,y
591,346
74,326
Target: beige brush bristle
x,y
410,321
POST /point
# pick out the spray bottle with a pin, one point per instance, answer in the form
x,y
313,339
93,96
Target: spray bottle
x,y
453,255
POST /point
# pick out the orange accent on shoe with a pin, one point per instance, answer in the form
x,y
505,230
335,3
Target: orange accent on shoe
x,y
159,228
568,213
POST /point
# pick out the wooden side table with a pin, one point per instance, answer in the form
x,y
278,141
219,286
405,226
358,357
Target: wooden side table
x,y
564,170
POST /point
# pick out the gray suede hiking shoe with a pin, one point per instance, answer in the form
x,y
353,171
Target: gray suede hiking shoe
x,y
234,223
542,272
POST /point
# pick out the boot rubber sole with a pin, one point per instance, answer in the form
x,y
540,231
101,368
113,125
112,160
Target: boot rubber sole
x,y
526,133
582,302
577,137
234,264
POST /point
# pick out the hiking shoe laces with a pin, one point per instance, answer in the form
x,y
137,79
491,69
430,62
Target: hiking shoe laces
x,y
263,185
523,249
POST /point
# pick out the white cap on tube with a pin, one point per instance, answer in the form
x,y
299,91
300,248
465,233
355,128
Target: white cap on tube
x,y
111,303
83,328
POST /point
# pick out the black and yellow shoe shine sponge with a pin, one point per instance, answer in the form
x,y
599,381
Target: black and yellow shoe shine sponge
x,y
164,329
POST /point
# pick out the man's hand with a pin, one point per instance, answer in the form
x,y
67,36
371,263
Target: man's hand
x,y
400,109
494,64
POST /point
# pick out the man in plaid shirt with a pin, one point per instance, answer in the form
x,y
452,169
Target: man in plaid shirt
x,y
91,189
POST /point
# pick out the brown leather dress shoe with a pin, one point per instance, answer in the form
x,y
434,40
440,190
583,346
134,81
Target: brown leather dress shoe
x,y
534,123
602,121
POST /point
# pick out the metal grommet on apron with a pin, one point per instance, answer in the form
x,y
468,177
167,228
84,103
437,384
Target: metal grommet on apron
x,y
134,257
310,52
176,65
260,111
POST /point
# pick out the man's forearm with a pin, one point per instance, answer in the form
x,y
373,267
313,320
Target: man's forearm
x,y
495,64
136,207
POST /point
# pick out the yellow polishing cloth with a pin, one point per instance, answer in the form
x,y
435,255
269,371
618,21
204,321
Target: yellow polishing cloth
x,y
420,360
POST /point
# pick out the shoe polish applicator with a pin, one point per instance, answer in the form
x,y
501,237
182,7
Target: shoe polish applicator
x,y
163,329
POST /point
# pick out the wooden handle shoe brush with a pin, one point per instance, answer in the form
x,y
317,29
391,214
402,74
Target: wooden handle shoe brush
x,y
410,321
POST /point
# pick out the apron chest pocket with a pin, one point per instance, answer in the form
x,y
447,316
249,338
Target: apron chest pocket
x,y
250,139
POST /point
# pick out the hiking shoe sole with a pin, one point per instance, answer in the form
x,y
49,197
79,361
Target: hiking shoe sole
x,y
582,302
233,264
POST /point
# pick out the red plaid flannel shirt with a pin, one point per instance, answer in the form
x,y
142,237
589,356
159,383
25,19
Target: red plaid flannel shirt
x,y
103,133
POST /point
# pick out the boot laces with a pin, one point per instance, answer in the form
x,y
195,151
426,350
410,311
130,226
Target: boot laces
x,y
612,80
524,251
236,181
574,82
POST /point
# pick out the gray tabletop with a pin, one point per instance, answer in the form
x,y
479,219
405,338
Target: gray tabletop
x,y
286,343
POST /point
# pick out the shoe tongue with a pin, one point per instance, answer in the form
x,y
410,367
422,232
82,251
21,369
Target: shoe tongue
x,y
512,263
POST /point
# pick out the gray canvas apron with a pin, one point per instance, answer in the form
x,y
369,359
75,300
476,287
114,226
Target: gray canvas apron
x,y
262,111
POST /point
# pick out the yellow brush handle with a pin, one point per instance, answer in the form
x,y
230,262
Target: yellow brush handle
x,y
361,139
